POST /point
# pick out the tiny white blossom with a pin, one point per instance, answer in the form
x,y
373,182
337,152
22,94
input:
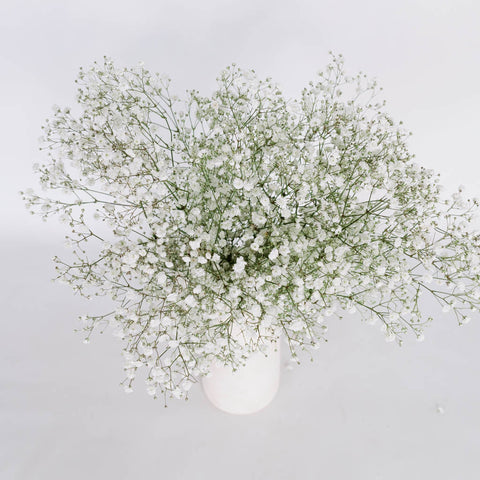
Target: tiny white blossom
x,y
258,220
190,301
151,390
273,255
238,183
389,336
195,244
239,266
256,310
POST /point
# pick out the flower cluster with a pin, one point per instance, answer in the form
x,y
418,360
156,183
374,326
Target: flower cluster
x,y
218,224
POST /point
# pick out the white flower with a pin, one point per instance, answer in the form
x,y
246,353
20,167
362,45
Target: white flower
x,y
130,259
248,185
427,278
234,292
190,301
256,310
277,271
177,393
151,390
238,183
147,350
239,266
161,278
381,269
273,255
186,385
297,326
282,202
389,336
195,244
255,246
258,220
418,243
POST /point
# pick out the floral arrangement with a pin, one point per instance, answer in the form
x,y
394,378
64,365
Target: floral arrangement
x,y
218,224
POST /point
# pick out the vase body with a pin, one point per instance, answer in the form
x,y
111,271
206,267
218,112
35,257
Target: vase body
x,y
250,388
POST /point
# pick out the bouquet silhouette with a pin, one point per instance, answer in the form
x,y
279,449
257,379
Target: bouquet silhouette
x,y
218,224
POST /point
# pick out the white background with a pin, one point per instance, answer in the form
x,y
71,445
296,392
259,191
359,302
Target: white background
x,y
363,409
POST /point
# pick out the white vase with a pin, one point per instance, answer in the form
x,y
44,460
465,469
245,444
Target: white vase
x,y
249,389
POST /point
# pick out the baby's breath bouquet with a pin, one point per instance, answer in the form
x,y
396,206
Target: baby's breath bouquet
x,y
218,224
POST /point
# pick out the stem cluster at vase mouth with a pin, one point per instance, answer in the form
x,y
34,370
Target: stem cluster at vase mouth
x,y
220,223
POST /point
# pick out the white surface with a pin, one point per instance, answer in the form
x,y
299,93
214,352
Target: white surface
x,y
250,388
364,410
